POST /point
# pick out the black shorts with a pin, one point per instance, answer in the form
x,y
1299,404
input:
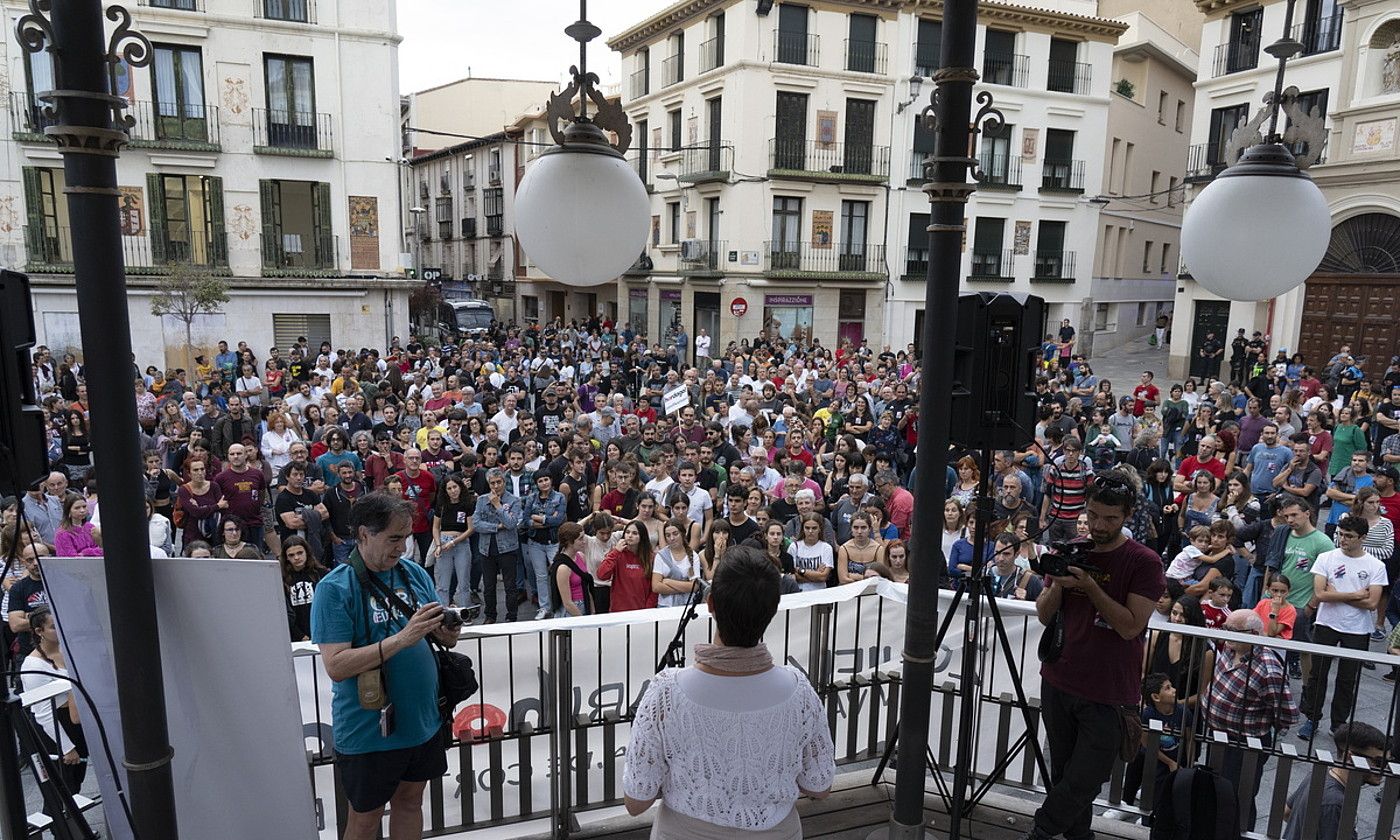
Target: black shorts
x,y
370,779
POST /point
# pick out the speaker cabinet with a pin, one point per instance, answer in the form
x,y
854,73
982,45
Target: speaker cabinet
x,y
21,418
995,365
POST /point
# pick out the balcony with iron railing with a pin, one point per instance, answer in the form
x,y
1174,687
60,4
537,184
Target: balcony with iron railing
x,y
926,59
169,126
495,226
1053,267
867,57
703,164
639,83
29,117
1203,162
297,255
1000,171
711,54
1062,176
176,5
915,265
49,250
796,48
1006,69
703,256
1069,76
992,266
815,160
823,259
1319,35
292,11
294,133
672,69
1236,56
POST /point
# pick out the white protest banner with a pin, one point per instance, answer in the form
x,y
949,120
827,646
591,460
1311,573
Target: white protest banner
x,y
676,399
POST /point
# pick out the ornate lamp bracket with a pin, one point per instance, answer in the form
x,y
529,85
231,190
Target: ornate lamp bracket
x,y
989,118
34,31
1304,126
580,132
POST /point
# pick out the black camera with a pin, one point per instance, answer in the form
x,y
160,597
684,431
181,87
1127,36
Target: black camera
x,y
1062,555
455,617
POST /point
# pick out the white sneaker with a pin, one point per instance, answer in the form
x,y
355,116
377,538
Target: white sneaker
x,y
1115,814
542,614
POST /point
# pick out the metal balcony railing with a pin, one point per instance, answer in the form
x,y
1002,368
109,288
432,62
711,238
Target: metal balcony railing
x,y
1069,76
926,58
1203,162
293,252
1062,176
277,130
703,256
1320,35
915,265
823,258
495,226
992,264
27,115
1054,267
1006,69
828,158
796,48
50,248
158,123
711,162
1236,56
711,54
672,69
867,56
639,83
295,11
1000,170
178,5
917,172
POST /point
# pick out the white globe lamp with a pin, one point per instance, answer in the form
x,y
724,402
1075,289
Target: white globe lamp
x,y
581,212
1259,229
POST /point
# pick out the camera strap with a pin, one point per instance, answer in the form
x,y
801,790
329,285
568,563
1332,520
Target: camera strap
x,y
374,588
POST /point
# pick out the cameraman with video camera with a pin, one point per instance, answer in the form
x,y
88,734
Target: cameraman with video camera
x,y
384,707
1097,600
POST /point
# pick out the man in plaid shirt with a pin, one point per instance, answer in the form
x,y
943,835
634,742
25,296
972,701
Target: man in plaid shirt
x,y
1248,698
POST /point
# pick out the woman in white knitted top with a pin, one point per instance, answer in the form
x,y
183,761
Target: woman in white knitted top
x,y
730,743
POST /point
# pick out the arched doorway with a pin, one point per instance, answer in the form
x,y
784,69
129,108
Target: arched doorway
x,y
1355,294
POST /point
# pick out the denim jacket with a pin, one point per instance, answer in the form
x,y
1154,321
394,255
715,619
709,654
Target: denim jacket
x,y
553,507
500,525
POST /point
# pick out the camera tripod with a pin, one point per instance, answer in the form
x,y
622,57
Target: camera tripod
x,y
68,822
975,586
674,657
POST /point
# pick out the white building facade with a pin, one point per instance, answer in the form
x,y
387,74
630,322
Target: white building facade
x,y
785,161
262,152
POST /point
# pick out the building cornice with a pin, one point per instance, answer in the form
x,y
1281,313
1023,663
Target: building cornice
x,y
678,13
1216,8
1097,28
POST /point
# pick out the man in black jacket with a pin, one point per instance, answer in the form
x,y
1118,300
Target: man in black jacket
x,y
233,427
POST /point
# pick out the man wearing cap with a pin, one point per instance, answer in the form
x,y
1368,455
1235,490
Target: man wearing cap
x,y
1385,477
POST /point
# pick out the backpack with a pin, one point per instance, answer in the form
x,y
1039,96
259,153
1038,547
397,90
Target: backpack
x,y
1199,804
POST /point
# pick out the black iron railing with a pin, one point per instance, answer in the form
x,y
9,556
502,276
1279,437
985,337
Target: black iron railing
x,y
1006,69
915,265
796,48
1000,170
711,54
992,264
639,83
1320,35
295,11
1069,76
710,162
815,156
1236,56
672,69
278,130
1204,161
1054,266
701,256
1062,176
867,56
27,115
163,122
290,252
178,5
823,258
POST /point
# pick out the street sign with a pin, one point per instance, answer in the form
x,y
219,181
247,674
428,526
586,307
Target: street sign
x,y
738,307
432,275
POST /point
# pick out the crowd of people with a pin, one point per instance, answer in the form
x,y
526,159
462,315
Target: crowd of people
x,y
549,472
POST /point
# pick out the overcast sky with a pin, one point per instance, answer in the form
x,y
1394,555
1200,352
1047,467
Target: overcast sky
x,y
512,39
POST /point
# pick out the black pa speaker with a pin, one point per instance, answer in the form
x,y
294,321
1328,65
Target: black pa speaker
x,y
995,365
23,449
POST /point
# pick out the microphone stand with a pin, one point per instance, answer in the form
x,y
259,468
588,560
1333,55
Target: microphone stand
x,y
674,657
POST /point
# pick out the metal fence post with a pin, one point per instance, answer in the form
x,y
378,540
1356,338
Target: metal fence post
x,y
561,669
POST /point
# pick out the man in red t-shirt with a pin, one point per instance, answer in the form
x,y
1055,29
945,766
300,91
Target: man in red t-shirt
x,y
1145,395
420,488
1204,459
1385,477
245,489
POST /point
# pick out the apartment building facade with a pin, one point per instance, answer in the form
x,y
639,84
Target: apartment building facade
x,y
466,109
1149,132
1349,74
260,153
784,154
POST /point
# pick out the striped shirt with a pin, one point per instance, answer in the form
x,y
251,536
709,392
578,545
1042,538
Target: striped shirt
x,y
1066,489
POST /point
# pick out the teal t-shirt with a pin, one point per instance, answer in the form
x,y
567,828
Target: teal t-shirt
x,y
1298,559
338,612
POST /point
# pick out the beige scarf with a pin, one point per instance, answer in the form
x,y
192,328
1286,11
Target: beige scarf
x,y
734,660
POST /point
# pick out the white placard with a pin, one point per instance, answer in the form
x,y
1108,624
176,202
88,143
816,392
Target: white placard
x,y
676,399
230,693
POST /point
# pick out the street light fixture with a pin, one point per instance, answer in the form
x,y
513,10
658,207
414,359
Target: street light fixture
x,y
1262,226
580,181
916,84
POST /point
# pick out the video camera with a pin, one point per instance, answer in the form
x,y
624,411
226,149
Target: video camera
x,y
1062,555
455,617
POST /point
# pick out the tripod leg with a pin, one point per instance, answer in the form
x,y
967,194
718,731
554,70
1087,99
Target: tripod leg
x,y
1020,688
885,759
68,821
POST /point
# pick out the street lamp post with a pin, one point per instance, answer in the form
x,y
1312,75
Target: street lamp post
x,y
89,130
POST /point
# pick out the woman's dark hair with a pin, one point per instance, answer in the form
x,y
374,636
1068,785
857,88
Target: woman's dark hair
x,y
1160,465
313,565
40,617
376,511
743,596
195,545
440,504
1191,610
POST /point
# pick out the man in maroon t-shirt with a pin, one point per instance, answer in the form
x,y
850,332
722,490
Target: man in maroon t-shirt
x,y
1104,614
245,489
419,487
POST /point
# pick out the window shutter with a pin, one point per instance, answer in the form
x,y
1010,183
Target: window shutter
x,y
271,237
155,189
218,236
321,219
34,214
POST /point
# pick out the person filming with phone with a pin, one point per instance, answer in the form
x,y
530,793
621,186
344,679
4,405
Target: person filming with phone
x,y
1101,601
384,707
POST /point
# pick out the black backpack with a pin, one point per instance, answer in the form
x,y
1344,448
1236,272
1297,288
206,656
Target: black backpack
x,y
1199,804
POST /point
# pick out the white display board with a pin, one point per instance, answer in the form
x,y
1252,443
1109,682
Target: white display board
x,y
230,692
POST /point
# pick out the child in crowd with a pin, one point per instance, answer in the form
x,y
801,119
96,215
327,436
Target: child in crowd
x,y
1279,616
1159,703
1216,605
1184,566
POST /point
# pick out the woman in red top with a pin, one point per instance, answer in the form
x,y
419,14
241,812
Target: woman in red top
x,y
629,568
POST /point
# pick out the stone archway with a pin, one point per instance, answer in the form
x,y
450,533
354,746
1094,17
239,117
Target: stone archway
x,y
1353,297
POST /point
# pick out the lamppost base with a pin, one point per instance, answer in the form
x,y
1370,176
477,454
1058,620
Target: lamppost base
x,y
897,831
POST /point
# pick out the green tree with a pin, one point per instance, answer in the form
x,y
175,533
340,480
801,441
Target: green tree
x,y
186,293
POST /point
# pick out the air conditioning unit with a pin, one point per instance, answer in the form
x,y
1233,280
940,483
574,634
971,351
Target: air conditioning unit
x,y
692,249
